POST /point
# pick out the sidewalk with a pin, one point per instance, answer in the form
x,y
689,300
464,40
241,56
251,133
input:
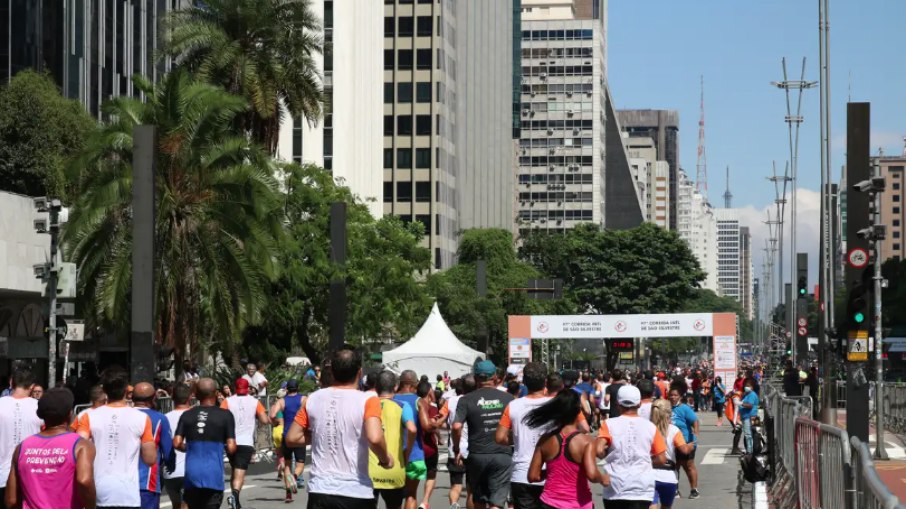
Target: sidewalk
x,y
893,471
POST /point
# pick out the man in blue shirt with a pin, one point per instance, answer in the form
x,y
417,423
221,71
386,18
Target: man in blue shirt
x,y
747,410
416,468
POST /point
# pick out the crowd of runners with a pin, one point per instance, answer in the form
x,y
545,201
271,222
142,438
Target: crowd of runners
x,y
534,440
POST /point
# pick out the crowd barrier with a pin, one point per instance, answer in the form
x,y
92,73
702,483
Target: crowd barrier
x,y
817,466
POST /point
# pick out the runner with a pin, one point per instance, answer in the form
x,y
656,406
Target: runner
x,y
662,384
69,484
289,405
720,397
685,419
246,410
174,479
144,398
390,484
343,424
416,469
98,399
632,447
512,430
665,477
489,464
457,471
563,450
18,419
430,419
616,382
203,433
646,389
256,379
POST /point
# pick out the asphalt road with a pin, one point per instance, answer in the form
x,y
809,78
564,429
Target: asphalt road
x,y
719,481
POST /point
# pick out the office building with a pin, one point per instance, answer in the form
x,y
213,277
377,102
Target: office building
x,y
652,179
729,253
747,290
91,48
697,225
662,126
893,201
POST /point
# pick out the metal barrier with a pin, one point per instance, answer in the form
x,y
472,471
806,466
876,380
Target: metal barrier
x,y
869,491
823,466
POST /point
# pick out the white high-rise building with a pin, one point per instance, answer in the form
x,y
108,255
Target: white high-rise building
x,y
729,253
697,225
652,179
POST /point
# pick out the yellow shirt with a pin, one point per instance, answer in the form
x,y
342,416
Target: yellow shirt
x,y
392,422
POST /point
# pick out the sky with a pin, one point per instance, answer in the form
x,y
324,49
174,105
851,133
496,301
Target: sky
x,y
658,49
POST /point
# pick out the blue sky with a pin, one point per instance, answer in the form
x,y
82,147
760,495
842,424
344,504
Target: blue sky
x,y
659,48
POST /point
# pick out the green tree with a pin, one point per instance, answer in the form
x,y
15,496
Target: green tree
x,y
385,293
262,50
643,270
218,215
706,301
39,131
471,317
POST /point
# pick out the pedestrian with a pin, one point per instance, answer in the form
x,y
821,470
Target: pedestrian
x,y
390,484
247,412
696,385
489,464
748,409
513,430
603,381
720,398
812,383
662,384
430,420
289,405
37,391
616,382
97,397
632,446
416,468
666,480
18,419
204,433
559,461
457,470
344,424
441,384
256,378
685,419
67,479
149,476
175,473
122,436
646,389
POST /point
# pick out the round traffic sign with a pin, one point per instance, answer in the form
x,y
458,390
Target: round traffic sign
x,y
803,331
802,322
857,257
789,334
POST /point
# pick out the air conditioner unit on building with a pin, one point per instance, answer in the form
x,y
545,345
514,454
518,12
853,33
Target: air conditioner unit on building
x,y
569,93
570,112
587,62
543,75
575,130
543,220
552,167
533,93
559,221
552,150
525,112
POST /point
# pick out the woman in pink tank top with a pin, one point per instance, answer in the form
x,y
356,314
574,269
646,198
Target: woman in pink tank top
x,y
53,469
563,450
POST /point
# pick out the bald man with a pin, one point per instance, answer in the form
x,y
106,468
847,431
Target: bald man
x,y
203,433
144,397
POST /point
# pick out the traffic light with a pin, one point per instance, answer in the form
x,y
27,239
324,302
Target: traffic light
x,y
802,287
857,306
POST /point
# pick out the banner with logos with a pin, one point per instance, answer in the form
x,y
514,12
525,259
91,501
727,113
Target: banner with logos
x,y
621,326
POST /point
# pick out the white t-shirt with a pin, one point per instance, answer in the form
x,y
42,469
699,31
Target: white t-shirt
x,y
452,401
180,468
669,476
645,410
255,380
632,440
18,421
118,433
245,411
524,438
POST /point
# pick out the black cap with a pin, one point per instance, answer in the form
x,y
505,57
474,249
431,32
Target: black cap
x,y
292,385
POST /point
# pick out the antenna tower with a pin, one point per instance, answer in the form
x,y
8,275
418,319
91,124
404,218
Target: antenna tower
x,y
701,168
728,196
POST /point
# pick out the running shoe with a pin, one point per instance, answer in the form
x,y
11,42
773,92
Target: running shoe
x,y
231,501
289,497
300,483
693,494
455,505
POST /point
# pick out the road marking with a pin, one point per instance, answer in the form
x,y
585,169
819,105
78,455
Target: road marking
x,y
170,504
715,456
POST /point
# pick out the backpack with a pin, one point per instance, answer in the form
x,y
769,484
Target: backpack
x,y
754,467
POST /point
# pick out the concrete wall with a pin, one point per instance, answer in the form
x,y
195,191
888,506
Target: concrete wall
x,y
20,246
623,209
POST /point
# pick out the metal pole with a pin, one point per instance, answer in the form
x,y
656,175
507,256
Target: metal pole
x,y
880,451
52,294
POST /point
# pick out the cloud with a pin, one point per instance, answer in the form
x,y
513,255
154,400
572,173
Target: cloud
x,y
891,142
808,203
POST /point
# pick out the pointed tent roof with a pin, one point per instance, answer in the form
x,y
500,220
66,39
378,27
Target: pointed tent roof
x,y
434,345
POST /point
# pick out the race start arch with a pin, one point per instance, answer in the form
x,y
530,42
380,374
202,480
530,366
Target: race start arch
x,y
720,326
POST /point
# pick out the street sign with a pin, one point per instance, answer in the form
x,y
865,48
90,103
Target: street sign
x,y
65,308
789,334
75,330
858,346
802,322
858,258
803,331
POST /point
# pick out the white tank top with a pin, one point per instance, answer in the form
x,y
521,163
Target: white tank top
x,y
18,421
118,433
524,437
629,459
245,411
669,476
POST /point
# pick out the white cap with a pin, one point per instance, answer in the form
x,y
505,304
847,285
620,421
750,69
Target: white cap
x,y
629,396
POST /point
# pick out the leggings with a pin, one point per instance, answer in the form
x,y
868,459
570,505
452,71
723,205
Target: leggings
x,y
719,408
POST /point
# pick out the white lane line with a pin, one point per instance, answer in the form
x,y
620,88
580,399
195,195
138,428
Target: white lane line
x,y
250,486
715,456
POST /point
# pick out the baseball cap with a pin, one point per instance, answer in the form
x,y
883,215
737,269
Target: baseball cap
x,y
242,386
485,368
629,396
292,385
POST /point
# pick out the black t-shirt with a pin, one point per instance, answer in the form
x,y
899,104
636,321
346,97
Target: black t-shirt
x,y
205,430
481,410
612,391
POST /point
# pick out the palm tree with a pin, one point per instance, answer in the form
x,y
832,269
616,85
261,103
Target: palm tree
x,y
262,50
218,215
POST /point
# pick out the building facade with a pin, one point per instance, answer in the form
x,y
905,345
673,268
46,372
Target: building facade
x,y
652,179
747,289
893,202
662,126
697,225
729,253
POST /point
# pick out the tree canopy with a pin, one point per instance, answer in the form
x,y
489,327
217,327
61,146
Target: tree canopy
x,y
39,131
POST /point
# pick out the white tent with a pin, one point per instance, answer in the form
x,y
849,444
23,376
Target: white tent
x,y
433,350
